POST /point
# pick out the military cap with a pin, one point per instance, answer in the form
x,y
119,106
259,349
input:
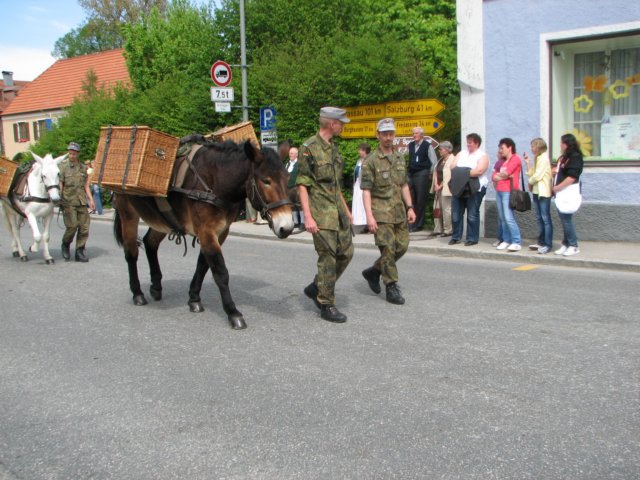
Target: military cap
x,y
73,146
334,113
386,125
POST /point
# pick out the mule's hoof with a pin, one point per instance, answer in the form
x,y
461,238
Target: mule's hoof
x,y
196,307
50,261
139,300
15,254
24,259
156,294
237,321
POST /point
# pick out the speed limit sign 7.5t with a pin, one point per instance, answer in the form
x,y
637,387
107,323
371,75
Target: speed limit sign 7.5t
x,y
221,73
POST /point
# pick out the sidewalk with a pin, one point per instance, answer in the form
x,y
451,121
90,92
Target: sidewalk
x,y
623,256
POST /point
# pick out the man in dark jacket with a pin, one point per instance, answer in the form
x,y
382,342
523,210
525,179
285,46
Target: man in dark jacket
x,y
422,159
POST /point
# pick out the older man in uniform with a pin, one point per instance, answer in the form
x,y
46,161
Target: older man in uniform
x,y
75,190
325,210
387,201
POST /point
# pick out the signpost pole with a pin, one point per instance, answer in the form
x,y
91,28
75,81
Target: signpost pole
x,y
243,66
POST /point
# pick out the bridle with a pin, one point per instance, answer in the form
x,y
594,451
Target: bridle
x,y
253,194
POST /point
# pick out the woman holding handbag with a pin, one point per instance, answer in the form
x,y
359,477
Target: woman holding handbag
x,y
505,180
567,180
540,185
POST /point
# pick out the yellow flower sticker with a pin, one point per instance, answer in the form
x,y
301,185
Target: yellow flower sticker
x,y
624,93
577,104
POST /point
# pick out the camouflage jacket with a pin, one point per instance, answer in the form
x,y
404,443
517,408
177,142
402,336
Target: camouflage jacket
x,y
73,178
384,175
320,170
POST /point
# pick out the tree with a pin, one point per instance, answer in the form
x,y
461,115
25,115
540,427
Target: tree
x,y
103,29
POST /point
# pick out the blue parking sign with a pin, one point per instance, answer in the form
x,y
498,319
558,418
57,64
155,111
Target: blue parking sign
x,y
267,118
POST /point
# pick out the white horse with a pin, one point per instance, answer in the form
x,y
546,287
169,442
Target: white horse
x,y
35,202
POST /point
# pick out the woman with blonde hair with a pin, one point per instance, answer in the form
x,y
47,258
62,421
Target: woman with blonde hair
x,y
539,174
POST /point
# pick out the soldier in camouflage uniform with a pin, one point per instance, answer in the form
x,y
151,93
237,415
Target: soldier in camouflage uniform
x,y
387,202
75,191
326,214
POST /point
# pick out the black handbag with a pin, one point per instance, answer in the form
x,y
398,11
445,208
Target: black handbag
x,y
519,200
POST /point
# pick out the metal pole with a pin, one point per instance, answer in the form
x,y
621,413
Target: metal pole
x,y
243,66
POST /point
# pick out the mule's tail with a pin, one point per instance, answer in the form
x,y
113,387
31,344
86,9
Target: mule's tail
x,y
117,228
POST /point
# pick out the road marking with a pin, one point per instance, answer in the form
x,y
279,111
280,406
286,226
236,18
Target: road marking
x,y
525,268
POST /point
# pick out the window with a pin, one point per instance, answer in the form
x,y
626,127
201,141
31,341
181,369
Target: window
x,y
40,126
21,132
602,105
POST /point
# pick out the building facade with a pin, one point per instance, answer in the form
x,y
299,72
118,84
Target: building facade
x,y
548,67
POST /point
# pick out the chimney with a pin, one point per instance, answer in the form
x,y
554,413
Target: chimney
x,y
7,78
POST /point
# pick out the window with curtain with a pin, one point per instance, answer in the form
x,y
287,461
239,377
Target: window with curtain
x,y
606,102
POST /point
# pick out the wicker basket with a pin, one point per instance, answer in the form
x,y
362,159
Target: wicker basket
x,y
237,133
7,171
136,160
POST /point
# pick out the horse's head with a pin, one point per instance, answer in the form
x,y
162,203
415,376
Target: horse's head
x,y
50,174
267,189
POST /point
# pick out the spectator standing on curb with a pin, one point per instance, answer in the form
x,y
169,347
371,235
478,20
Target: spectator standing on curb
x,y
441,191
477,163
326,214
422,160
387,201
567,172
357,203
75,193
505,180
540,185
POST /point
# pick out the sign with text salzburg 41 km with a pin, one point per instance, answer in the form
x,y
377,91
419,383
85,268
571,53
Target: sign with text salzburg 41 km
x,y
408,114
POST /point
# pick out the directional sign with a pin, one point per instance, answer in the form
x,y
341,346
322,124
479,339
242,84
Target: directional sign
x,y
404,126
221,94
221,73
267,118
423,107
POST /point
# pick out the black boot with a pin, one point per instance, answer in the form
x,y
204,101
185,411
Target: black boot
x,y
332,314
311,291
393,294
80,256
66,254
372,276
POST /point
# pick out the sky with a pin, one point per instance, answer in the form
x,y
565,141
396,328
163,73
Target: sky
x,y
30,29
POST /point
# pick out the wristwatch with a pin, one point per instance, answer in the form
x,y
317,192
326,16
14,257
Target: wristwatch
x,y
409,207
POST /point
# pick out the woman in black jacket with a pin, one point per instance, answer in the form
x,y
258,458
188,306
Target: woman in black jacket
x,y
567,172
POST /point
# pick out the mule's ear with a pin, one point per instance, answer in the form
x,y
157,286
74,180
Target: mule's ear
x,y
61,158
37,157
252,152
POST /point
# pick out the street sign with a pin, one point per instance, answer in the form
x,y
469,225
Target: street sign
x,y
404,126
424,107
223,107
221,73
221,94
269,138
267,118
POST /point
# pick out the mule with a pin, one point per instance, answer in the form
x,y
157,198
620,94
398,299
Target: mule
x,y
214,191
35,204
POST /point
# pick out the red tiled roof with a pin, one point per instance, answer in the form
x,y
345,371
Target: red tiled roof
x,y
58,85
8,93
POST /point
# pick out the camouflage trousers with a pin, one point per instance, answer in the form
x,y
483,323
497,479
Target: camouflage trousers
x,y
335,251
393,241
76,219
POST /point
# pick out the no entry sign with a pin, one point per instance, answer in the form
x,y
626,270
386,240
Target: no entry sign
x,y
221,73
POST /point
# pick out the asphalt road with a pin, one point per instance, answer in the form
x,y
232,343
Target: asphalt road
x,y
488,372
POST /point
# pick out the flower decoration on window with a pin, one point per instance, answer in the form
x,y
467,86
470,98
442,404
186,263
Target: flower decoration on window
x,y
624,93
584,140
633,79
594,84
577,104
